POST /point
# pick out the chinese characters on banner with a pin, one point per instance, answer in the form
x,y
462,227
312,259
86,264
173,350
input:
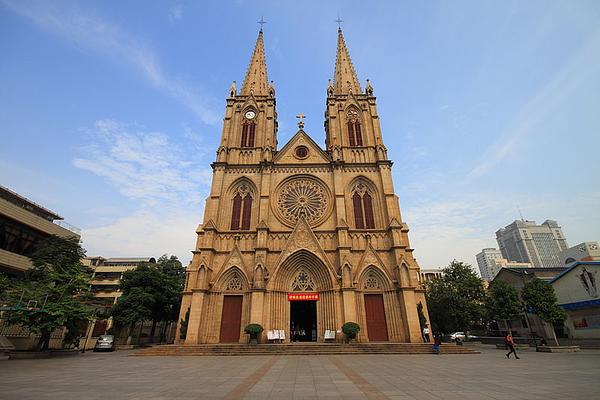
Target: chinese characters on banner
x,y
303,296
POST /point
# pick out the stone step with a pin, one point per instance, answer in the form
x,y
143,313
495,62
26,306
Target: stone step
x,y
299,349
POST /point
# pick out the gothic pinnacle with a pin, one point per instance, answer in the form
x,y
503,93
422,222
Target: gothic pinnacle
x,y
256,81
344,76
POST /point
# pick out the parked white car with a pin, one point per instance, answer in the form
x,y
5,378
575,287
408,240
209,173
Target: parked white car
x,y
458,335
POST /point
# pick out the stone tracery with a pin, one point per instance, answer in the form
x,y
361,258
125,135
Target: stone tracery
x,y
303,282
303,196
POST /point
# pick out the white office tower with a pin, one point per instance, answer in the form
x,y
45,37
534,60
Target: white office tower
x,y
525,241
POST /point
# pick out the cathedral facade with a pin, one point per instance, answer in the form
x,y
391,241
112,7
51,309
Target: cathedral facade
x,y
302,239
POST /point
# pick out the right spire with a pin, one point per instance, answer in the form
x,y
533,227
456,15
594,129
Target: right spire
x,y
344,76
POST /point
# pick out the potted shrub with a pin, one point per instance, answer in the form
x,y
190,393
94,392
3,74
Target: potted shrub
x,y
351,329
253,330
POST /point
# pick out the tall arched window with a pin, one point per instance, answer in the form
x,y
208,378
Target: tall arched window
x,y
362,203
354,130
242,209
248,133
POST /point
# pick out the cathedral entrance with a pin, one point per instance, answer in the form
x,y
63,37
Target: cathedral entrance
x,y
231,319
303,321
376,322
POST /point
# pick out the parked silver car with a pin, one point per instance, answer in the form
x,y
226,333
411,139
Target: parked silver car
x,y
105,343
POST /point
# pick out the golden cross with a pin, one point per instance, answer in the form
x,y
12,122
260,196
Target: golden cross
x,y
300,123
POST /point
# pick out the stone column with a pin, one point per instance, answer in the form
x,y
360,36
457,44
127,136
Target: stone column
x,y
193,332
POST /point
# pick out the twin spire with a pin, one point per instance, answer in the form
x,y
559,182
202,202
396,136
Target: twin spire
x,y
256,81
345,80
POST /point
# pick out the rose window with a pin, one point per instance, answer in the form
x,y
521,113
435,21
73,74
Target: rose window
x,y
372,282
303,196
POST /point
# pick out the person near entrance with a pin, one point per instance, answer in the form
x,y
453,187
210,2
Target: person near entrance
x,y
426,334
303,321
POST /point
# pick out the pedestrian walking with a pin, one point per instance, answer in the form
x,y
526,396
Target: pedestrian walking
x,y
426,334
510,345
437,341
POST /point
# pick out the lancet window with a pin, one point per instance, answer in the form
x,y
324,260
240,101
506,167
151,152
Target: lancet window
x,y
362,202
248,133
354,129
242,208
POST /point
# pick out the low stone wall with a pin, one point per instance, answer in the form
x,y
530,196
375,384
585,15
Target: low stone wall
x,y
558,349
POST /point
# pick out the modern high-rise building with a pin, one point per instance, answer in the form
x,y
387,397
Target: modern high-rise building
x,y
525,241
485,261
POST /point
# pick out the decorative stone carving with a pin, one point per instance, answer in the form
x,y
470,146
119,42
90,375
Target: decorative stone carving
x,y
303,282
234,284
306,196
372,282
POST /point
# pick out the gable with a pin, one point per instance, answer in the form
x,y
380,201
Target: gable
x,y
288,155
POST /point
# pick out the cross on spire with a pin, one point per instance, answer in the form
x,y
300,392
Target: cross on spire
x,y
300,122
261,22
339,22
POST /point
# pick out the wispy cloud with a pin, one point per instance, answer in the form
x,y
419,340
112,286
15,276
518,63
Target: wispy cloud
x,y
144,166
167,180
549,100
93,32
176,12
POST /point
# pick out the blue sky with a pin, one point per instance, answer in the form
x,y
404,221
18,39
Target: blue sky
x,y
110,112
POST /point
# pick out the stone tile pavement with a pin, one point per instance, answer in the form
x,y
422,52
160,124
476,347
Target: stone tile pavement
x,y
488,375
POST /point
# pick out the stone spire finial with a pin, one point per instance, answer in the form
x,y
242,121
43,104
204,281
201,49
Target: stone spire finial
x,y
344,76
256,81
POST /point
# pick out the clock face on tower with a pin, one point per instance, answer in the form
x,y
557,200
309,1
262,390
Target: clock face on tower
x,y
250,114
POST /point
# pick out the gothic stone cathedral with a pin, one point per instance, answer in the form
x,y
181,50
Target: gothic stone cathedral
x,y
302,239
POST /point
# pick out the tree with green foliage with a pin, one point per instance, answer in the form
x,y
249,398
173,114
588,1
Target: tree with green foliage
x,y
539,297
151,292
55,292
455,299
502,303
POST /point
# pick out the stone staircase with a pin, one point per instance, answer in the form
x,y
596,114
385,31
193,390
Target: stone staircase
x,y
223,349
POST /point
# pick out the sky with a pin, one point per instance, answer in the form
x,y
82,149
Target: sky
x,y
111,111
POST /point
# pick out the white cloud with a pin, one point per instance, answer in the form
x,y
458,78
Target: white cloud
x,y
176,12
167,180
90,31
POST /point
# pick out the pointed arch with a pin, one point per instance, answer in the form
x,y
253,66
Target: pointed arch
x,y
287,271
232,279
373,278
353,118
365,202
242,192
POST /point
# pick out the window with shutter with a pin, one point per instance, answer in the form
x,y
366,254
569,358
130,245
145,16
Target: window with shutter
x,y
358,213
247,212
235,215
368,207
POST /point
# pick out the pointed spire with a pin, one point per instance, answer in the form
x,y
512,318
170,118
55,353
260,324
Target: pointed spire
x,y
344,76
256,78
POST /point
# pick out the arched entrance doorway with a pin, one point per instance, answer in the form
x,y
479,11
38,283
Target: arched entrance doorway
x,y
303,299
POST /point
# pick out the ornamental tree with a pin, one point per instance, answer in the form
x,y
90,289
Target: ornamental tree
x,y
55,292
455,300
502,302
539,297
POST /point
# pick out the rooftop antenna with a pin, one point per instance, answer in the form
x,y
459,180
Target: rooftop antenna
x,y
521,214
261,22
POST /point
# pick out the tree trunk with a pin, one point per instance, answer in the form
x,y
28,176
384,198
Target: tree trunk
x,y
44,341
163,333
139,338
553,334
152,331
130,333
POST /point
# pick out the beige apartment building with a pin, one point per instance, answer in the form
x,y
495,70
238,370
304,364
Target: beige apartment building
x,y
302,238
24,223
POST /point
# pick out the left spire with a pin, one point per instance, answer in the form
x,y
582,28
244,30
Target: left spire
x,y
256,81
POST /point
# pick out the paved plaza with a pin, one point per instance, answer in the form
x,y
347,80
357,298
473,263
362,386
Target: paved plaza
x,y
488,375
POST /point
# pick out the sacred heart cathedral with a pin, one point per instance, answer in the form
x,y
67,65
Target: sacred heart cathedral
x,y
302,239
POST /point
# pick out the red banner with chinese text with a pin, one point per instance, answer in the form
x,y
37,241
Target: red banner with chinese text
x,y
303,296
